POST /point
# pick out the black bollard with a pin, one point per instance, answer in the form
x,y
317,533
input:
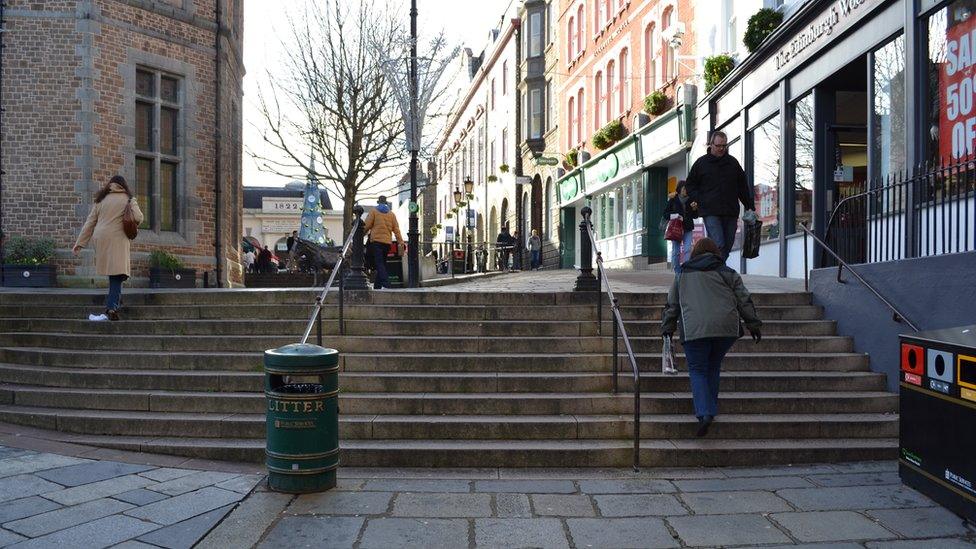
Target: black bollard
x,y
586,282
355,278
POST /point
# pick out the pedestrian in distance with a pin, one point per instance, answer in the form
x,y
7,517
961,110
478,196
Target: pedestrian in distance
x,y
711,301
290,241
517,251
381,225
505,244
716,185
678,205
104,227
264,260
534,245
249,259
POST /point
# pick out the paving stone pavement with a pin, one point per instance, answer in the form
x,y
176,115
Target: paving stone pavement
x,y
850,505
50,500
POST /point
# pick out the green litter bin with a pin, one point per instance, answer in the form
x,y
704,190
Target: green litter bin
x,y
301,383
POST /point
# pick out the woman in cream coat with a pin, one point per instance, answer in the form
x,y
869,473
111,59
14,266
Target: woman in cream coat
x,y
104,226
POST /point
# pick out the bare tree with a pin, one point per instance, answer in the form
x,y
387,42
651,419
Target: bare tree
x,y
331,99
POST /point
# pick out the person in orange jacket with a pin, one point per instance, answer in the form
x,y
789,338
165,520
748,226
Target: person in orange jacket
x,y
382,225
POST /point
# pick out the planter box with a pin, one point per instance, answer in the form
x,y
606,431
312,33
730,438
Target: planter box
x,y
30,276
166,278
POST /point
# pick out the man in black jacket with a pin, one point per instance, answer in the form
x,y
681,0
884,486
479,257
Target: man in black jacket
x,y
716,185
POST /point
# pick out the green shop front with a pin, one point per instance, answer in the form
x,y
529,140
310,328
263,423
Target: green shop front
x,y
626,186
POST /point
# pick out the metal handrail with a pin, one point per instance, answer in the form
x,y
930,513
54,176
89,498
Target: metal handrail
x,y
618,326
320,299
898,316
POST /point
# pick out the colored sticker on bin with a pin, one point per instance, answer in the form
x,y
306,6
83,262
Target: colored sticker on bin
x,y
939,386
968,394
966,370
913,359
913,379
940,365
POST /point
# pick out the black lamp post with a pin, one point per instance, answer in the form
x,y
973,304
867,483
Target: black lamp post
x,y
468,189
457,222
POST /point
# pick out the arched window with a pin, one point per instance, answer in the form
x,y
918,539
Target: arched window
x,y
579,30
624,86
608,11
571,122
597,16
571,39
579,116
597,101
649,68
611,90
667,52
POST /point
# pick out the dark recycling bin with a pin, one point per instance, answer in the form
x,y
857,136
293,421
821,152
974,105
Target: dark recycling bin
x,y
301,383
938,416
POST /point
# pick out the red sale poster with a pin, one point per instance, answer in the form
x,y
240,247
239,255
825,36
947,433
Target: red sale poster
x,y
957,89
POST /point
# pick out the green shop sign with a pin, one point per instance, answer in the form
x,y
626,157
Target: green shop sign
x,y
569,188
612,165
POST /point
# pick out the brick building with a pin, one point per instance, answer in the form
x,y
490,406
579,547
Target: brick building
x,y
147,89
614,54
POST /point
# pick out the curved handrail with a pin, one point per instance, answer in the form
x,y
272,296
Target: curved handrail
x,y
618,325
328,285
898,315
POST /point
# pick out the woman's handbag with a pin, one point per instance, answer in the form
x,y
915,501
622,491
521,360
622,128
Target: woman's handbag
x,y
129,224
667,357
675,230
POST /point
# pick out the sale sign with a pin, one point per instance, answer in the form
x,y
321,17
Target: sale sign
x,y
957,91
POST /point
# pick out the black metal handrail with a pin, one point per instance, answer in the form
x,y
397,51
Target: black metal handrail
x,y
618,331
320,299
898,316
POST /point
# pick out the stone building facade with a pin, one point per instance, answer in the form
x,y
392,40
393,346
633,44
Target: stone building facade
x,y
147,89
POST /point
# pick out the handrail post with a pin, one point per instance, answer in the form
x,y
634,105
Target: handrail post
x,y
355,278
616,335
318,328
599,295
586,282
806,266
342,293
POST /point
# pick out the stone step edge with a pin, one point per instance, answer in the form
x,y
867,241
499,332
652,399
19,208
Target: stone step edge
x,y
396,337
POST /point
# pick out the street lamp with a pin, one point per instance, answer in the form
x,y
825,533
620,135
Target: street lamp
x,y
468,189
457,222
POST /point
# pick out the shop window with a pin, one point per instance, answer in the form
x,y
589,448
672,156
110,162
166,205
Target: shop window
x,y
951,112
158,143
765,175
888,109
803,157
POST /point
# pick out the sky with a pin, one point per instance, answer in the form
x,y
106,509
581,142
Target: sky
x,y
266,35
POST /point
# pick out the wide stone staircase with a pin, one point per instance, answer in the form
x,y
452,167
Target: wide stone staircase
x,y
436,379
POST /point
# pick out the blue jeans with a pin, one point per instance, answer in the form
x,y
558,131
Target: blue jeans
x,y
721,229
681,251
114,292
536,258
379,251
704,358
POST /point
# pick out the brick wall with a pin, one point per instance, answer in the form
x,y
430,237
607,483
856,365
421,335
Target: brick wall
x,y
69,95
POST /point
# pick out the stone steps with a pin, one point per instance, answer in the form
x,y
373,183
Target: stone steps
x,y
441,382
711,452
423,362
366,344
381,312
461,427
430,403
401,328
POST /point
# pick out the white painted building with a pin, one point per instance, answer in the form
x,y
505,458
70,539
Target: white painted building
x,y
271,213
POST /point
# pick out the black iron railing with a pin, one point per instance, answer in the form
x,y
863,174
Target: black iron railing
x,y
315,320
924,213
619,330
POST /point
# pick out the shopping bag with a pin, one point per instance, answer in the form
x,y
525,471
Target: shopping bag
x,y
751,239
676,229
667,357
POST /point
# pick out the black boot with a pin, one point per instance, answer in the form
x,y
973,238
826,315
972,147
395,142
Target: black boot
x,y
704,423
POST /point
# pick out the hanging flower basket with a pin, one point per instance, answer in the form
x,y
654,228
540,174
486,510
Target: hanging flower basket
x,y
492,178
503,168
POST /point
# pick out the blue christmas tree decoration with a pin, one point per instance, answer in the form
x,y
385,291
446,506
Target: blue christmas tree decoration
x,y
312,226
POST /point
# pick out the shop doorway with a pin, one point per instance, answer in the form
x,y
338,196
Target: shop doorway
x,y
567,238
843,110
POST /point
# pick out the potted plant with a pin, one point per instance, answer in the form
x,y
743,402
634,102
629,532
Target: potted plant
x,y
449,215
608,135
167,271
503,168
27,263
492,178
471,195
600,140
760,26
656,103
571,160
717,67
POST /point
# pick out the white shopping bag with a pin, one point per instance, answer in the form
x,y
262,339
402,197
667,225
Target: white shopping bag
x,y
667,357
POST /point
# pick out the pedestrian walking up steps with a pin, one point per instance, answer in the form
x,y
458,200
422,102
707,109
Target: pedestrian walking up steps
x,y
436,379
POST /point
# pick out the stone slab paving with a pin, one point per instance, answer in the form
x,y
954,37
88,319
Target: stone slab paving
x,y
861,505
50,500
